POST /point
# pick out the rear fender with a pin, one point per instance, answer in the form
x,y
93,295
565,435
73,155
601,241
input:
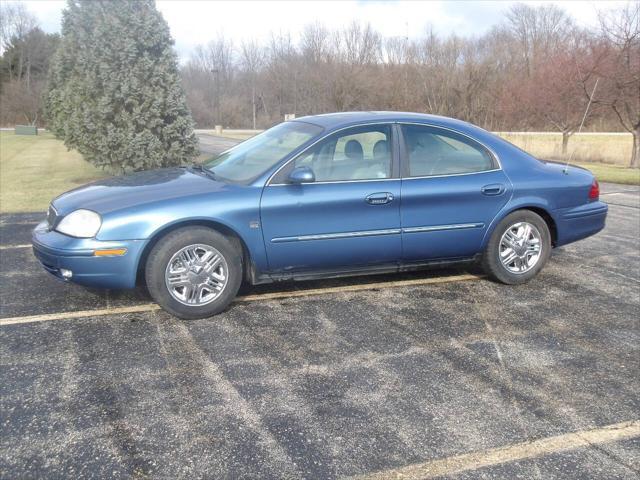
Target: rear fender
x,y
523,203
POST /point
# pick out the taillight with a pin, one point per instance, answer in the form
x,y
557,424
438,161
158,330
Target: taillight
x,y
594,191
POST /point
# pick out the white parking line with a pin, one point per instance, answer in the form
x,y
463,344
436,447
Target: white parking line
x,y
150,307
7,247
147,307
511,453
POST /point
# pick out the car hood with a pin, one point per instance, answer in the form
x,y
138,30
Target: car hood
x,y
137,189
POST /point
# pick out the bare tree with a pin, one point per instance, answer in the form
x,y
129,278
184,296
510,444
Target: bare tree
x,y
24,62
615,58
15,23
538,31
315,44
552,96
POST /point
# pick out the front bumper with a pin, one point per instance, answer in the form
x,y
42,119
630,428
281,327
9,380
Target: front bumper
x,y
56,251
580,222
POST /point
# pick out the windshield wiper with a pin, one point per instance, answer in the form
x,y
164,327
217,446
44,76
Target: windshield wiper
x,y
200,169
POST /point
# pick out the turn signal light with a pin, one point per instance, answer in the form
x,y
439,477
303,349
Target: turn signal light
x,y
594,192
111,252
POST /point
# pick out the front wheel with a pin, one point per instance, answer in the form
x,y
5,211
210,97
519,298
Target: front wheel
x,y
518,248
194,272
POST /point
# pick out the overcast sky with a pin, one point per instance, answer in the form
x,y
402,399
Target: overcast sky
x,y
196,22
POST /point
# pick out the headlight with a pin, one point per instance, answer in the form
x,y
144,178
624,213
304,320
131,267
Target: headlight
x,y
80,223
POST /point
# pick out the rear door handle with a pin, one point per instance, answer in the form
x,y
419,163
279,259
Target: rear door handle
x,y
379,198
493,189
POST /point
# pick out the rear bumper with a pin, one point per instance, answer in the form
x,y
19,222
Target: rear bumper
x,y
56,251
580,222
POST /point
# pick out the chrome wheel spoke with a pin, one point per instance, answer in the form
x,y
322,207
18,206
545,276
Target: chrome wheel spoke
x,y
218,277
212,262
185,258
214,285
178,280
191,294
202,290
510,239
533,248
509,257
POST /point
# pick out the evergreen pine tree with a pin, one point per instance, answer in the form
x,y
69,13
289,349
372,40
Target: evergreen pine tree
x,y
114,88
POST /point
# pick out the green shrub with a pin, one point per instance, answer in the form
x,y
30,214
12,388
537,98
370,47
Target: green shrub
x,y
114,89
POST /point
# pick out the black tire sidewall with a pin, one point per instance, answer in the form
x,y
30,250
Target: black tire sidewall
x,y
490,258
167,246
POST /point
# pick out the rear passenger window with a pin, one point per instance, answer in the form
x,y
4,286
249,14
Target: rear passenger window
x,y
433,151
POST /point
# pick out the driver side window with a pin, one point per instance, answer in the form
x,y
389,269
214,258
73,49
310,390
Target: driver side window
x,y
361,153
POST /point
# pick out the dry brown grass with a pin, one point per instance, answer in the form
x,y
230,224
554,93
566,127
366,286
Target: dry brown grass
x,y
611,148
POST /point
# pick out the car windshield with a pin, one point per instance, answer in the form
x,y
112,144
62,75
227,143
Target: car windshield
x,y
253,157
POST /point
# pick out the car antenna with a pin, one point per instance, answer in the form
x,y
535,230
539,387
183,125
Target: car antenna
x,y
584,117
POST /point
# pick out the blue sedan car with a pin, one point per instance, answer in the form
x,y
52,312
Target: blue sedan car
x,y
321,196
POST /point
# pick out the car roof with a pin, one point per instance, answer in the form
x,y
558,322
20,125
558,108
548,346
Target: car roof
x,y
342,119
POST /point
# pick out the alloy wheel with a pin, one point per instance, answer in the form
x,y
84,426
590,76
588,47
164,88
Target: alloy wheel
x,y
196,275
520,247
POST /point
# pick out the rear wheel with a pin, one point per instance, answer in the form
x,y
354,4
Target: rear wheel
x,y
194,272
518,248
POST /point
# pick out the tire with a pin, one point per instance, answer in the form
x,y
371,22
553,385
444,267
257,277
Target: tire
x,y
491,257
194,244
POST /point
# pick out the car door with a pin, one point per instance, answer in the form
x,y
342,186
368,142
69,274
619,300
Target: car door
x,y
349,217
452,188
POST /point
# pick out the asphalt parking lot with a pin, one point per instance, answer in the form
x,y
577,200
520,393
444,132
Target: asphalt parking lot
x,y
432,374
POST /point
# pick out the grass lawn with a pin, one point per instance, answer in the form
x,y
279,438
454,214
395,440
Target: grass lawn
x,y
613,173
35,169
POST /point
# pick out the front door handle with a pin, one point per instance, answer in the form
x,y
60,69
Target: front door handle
x,y
493,189
379,198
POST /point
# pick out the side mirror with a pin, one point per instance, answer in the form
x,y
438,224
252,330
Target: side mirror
x,y
302,175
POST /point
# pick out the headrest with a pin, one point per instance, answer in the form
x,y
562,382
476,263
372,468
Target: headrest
x,y
353,149
381,148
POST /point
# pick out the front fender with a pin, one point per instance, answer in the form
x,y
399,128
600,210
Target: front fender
x,y
238,211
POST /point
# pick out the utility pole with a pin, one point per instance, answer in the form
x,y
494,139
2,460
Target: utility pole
x,y
253,100
406,67
216,75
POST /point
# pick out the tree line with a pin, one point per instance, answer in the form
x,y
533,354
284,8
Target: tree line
x,y
536,70
24,65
